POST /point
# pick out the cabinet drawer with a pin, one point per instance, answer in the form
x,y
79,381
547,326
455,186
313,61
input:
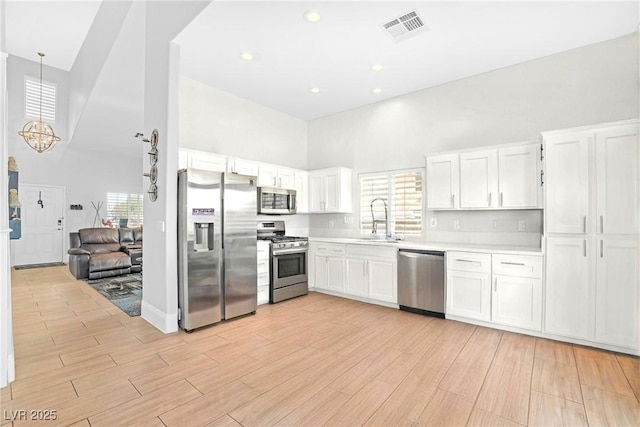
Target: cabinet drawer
x,y
372,251
517,265
263,278
329,249
263,294
263,267
469,261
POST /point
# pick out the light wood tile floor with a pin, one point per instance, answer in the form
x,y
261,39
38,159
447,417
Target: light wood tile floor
x,y
312,361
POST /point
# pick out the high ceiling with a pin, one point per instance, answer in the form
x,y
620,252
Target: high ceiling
x,y
291,56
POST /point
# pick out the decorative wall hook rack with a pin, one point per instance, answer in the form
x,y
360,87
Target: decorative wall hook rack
x,y
153,159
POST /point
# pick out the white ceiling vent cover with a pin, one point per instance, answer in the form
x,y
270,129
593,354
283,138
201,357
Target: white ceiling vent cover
x,y
404,26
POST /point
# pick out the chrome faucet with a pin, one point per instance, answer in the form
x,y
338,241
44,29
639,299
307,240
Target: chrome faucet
x,y
374,227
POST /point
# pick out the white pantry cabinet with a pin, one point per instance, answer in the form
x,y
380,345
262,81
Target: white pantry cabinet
x,y
617,177
567,183
330,190
206,161
592,209
242,167
618,292
443,181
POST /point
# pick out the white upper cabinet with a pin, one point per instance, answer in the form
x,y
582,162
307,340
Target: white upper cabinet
x,y
330,190
243,167
301,185
567,183
207,161
617,175
479,179
443,182
519,177
497,178
267,176
273,176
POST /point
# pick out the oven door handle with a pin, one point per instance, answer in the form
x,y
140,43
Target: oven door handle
x,y
289,251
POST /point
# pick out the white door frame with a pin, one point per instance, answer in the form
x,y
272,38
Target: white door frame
x,y
65,257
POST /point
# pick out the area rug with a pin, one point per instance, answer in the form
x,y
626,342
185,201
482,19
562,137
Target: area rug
x,y
48,264
125,292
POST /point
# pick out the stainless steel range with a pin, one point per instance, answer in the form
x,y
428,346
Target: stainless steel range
x,y
289,267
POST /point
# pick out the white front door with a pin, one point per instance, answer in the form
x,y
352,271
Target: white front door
x,y
42,225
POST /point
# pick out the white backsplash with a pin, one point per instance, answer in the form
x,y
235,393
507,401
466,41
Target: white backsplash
x,y
495,227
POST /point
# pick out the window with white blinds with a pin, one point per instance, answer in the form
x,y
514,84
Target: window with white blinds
x,y
125,210
402,192
32,100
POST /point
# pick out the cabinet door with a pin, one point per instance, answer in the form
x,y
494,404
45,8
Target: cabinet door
x,y
568,297
209,162
519,176
286,179
332,191
443,182
357,283
478,179
567,183
618,180
382,278
617,292
316,193
267,176
468,294
517,301
301,179
245,167
320,272
336,273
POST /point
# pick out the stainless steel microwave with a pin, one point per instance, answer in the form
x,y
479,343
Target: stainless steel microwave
x,y
276,201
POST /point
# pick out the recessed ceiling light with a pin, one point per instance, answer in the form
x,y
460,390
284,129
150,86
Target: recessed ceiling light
x,y
376,67
247,56
314,90
311,16
376,90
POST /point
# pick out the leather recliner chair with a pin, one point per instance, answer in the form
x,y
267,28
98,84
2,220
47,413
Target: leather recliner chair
x,y
95,253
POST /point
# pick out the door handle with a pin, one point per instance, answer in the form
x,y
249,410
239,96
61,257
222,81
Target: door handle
x,y
489,199
584,246
584,224
466,260
512,263
501,199
452,201
602,224
495,284
602,248
279,182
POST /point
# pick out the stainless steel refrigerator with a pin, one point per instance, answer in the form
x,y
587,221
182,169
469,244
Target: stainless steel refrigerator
x,y
217,247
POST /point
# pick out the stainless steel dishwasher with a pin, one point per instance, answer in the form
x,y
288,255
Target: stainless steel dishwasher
x,y
421,282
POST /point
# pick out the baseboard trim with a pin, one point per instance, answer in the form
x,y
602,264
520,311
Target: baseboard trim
x,y
166,323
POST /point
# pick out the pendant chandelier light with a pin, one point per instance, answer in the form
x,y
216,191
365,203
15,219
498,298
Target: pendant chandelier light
x,y
38,134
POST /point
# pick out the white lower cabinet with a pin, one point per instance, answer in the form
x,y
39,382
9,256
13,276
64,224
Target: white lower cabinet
x,y
362,271
327,269
468,294
501,289
263,272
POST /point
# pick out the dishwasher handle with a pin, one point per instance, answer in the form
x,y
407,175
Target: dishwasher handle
x,y
415,253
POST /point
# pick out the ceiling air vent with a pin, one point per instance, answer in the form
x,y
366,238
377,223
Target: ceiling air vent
x,y
404,26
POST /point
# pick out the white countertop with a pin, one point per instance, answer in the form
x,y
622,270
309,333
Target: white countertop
x,y
494,249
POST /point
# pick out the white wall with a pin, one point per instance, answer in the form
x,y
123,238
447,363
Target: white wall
x,y
592,84
219,122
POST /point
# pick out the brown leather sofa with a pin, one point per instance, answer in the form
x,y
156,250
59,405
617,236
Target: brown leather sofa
x,y
95,253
